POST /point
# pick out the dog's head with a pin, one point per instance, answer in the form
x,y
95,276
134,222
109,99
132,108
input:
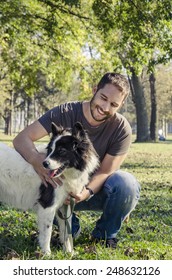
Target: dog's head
x,y
67,148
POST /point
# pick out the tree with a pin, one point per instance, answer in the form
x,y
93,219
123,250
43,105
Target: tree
x,y
164,95
56,39
153,121
144,29
36,35
41,37
67,43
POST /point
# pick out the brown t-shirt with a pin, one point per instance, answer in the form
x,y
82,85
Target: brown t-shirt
x,y
111,137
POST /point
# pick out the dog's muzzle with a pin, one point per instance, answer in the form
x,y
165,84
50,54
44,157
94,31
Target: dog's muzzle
x,y
54,172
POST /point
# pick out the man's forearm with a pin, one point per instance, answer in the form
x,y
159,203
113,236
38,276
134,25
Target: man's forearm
x,y
26,148
97,181
24,141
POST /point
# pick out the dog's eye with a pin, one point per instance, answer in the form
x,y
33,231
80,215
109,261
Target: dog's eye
x,y
62,151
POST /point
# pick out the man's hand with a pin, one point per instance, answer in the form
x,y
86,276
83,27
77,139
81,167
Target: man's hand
x,y
81,196
44,173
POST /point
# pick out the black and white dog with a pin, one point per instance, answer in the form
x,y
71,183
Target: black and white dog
x,y
70,153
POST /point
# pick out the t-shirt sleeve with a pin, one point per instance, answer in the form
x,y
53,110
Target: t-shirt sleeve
x,y
121,140
65,115
49,117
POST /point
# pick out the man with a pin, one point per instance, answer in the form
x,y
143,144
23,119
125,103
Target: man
x,y
112,191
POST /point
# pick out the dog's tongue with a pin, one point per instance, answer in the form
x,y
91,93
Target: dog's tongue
x,y
52,173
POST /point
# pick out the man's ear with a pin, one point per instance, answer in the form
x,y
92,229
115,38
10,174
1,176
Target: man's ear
x,y
94,89
122,103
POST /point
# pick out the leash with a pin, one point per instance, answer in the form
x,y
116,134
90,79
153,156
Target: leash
x,y
67,213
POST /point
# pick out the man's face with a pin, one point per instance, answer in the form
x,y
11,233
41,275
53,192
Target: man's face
x,y
106,102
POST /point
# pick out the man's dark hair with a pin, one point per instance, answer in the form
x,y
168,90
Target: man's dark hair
x,y
118,80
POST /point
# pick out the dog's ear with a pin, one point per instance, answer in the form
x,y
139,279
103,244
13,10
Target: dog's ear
x,y
78,131
56,130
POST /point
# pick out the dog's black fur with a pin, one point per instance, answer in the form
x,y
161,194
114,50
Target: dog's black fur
x,y
69,152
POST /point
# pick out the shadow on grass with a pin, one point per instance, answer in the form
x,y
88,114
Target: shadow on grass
x,y
13,247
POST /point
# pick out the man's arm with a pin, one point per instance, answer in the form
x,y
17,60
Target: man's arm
x,y
24,141
108,166
24,144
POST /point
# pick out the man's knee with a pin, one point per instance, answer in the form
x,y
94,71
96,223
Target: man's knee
x,y
122,182
123,192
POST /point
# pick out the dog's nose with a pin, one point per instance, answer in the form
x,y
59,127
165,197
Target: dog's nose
x,y
46,163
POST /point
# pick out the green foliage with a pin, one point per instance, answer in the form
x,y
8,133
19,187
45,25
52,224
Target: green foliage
x,y
147,236
73,43
44,36
144,30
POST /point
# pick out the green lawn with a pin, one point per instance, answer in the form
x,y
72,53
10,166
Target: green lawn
x,y
148,235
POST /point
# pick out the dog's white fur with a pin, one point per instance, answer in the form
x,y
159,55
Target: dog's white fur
x,y
19,187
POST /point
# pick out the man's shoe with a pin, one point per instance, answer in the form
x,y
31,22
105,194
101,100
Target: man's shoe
x,y
108,243
111,243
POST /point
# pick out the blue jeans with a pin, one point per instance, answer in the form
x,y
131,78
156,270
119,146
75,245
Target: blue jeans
x,y
117,198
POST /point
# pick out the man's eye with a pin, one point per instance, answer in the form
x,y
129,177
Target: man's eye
x,y
103,98
114,105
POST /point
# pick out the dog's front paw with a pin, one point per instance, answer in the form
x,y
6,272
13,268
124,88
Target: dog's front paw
x,y
41,254
68,245
46,252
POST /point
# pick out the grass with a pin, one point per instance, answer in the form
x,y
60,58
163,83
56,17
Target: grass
x,y
147,236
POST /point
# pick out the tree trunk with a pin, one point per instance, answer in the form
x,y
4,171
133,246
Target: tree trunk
x,y
7,124
140,105
25,113
11,112
153,121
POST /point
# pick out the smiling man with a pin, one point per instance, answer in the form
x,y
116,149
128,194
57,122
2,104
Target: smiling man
x,y
111,191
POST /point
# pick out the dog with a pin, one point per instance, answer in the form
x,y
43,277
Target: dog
x,y
69,152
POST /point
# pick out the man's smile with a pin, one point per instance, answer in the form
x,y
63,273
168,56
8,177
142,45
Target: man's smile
x,y
100,111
